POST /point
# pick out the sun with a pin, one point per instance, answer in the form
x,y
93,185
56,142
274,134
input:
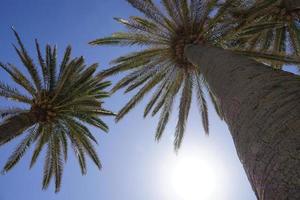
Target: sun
x,y
193,179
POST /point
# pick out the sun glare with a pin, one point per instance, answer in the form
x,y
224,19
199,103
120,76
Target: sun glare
x,y
193,179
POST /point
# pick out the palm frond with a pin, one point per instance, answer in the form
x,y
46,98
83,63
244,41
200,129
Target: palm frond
x,y
202,103
123,38
42,63
43,135
13,94
90,150
79,153
58,163
51,62
19,78
149,9
269,56
184,107
21,149
168,104
253,29
146,88
78,127
28,63
63,140
166,92
142,78
156,96
48,165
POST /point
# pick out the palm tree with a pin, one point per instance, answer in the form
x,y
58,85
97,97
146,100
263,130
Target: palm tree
x,y
59,104
270,26
183,53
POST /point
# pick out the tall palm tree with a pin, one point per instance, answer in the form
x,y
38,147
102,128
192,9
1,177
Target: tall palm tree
x,y
59,105
270,26
182,53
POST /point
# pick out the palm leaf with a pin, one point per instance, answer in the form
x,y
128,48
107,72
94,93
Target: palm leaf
x,y
202,103
19,78
28,63
184,107
268,56
13,94
20,150
146,88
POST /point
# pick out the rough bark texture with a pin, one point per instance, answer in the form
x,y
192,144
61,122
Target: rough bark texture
x,y
261,107
291,5
15,125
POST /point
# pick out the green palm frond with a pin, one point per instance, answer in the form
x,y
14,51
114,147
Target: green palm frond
x,y
76,126
51,63
146,88
19,78
21,149
44,69
63,140
93,120
202,102
142,25
172,87
279,57
184,108
58,163
156,96
64,98
48,165
28,63
79,153
13,94
275,22
167,104
251,30
122,38
149,9
41,138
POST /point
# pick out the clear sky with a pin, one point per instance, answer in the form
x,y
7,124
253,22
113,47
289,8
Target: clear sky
x,y
135,167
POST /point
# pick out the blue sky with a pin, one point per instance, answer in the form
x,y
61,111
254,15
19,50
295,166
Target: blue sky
x,y
135,167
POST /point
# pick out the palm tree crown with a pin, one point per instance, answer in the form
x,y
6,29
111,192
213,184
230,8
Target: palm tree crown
x,y
162,64
61,102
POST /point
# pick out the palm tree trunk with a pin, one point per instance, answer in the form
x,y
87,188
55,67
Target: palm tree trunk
x,y
15,125
261,107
